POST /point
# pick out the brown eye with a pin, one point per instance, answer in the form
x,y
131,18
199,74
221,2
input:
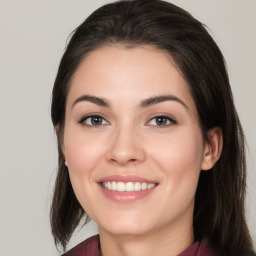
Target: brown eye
x,y
94,120
161,121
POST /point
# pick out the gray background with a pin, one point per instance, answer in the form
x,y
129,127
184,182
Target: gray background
x,y
32,39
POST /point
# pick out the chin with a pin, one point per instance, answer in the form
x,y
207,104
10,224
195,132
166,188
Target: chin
x,y
126,230
125,226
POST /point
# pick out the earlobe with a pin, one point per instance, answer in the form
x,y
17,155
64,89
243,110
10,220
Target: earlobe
x,y
60,141
213,148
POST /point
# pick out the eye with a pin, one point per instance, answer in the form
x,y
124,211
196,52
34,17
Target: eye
x,y
93,120
161,121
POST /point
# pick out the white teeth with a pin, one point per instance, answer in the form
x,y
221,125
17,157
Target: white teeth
x,y
137,186
144,186
150,186
127,187
114,185
119,187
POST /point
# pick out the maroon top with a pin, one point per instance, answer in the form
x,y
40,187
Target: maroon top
x,y
90,247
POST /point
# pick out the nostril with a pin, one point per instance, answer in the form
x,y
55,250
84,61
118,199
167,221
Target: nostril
x,y
124,161
130,160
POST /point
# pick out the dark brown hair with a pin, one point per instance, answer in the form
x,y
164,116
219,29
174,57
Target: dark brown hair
x,y
219,213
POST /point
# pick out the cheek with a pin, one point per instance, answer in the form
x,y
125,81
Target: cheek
x,y
82,152
182,149
179,157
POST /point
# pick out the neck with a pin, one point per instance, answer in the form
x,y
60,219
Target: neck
x,y
162,242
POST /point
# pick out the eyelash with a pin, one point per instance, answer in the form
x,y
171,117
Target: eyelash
x,y
83,120
169,119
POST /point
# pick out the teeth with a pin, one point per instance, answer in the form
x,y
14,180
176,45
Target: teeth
x,y
127,187
149,186
144,186
120,186
113,185
137,186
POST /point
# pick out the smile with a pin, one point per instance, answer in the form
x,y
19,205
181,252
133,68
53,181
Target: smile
x,y
128,186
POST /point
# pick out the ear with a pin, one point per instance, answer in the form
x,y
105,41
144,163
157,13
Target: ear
x,y
60,142
212,149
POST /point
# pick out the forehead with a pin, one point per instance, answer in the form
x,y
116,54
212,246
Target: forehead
x,y
130,74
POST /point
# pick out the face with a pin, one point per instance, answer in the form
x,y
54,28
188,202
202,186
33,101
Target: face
x,y
132,141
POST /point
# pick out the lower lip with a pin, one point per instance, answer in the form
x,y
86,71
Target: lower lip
x,y
126,197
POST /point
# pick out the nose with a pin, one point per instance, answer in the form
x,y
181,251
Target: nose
x,y
125,148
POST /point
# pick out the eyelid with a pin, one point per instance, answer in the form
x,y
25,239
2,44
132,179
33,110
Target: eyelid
x,y
90,115
172,120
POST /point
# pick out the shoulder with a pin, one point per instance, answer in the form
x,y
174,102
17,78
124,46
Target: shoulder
x,y
199,249
204,249
89,247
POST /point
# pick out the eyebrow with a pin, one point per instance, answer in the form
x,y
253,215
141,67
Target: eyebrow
x,y
144,103
93,99
158,99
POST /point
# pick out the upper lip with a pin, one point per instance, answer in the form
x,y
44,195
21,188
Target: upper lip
x,y
126,178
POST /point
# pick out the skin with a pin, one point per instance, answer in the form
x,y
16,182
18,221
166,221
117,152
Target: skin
x,y
129,141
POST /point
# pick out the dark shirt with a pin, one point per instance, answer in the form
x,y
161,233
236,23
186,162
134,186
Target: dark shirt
x,y
90,247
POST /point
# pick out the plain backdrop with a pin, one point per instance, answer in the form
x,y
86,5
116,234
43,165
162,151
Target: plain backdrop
x,y
33,36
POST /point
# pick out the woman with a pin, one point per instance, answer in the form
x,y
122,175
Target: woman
x,y
150,144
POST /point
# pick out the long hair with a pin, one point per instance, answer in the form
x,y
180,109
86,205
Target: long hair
x,y
219,213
